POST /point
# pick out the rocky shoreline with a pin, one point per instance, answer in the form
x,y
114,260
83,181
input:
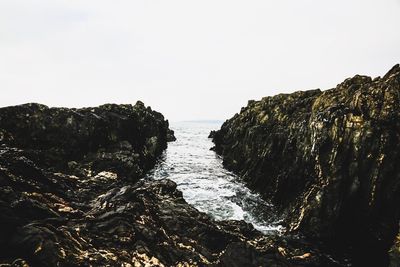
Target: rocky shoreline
x,y
328,160
72,193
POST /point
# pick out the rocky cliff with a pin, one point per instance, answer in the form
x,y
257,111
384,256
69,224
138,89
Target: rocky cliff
x,y
71,195
328,160
124,139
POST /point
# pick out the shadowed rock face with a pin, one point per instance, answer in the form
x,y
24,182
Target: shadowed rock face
x,y
329,160
121,138
55,219
395,253
55,161
70,195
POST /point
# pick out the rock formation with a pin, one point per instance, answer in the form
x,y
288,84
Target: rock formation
x,y
71,195
328,160
395,253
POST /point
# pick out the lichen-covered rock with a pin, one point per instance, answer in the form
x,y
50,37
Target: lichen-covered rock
x,y
56,219
328,160
70,195
54,161
125,139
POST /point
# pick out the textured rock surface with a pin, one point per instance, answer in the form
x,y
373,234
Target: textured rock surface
x,y
54,219
395,253
54,162
122,138
70,195
329,160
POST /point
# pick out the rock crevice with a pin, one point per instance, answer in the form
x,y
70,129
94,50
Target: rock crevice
x,y
71,194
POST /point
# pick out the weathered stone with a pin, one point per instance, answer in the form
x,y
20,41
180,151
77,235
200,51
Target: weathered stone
x,y
108,221
104,137
328,160
395,253
171,137
71,195
55,161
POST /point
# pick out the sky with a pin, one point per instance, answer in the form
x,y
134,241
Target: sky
x,y
189,59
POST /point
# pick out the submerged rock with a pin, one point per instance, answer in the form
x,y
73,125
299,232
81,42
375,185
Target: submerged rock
x,y
328,160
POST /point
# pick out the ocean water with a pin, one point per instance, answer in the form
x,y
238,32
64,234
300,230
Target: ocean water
x,y
205,184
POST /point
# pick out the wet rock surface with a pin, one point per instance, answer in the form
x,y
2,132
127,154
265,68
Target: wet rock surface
x,y
71,194
328,160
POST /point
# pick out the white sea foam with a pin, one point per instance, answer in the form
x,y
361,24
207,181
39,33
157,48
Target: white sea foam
x,y
205,184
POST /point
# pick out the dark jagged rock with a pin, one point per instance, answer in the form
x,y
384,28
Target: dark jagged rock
x,y
328,160
395,253
55,161
56,219
119,138
170,136
212,134
70,195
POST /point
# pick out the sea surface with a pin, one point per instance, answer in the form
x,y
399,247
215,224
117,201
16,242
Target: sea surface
x,y
200,175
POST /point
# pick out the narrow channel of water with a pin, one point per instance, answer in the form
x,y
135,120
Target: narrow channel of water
x,y
205,184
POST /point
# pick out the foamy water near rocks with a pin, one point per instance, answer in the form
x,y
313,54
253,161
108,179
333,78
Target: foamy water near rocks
x,y
72,193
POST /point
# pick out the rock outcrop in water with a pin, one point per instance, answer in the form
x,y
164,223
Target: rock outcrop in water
x,y
71,195
328,160
124,139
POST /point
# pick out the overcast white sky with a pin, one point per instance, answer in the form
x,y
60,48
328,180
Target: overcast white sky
x,y
189,59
